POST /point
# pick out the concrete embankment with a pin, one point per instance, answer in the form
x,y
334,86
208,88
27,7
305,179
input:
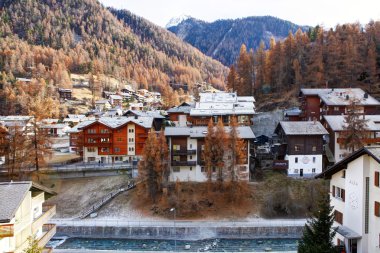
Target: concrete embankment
x,y
181,230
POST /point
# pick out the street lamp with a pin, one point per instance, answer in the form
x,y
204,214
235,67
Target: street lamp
x,y
175,231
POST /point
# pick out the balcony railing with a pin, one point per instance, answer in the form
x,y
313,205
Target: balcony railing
x,y
48,231
47,213
97,144
185,152
184,163
365,140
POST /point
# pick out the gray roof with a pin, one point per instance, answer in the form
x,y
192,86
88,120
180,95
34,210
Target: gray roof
x,y
339,97
11,196
292,112
154,114
245,132
336,122
303,128
347,232
115,122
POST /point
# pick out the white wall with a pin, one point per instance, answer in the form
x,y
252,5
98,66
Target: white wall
x,y
306,163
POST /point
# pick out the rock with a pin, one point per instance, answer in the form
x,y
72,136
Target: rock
x,y
187,246
93,215
144,246
267,249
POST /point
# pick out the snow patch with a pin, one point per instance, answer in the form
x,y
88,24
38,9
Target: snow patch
x,y
177,20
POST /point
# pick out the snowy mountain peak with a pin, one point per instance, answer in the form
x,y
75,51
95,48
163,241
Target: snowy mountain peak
x,y
177,20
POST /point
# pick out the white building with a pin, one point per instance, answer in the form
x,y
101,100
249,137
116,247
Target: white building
x,y
355,197
24,214
303,145
335,126
186,145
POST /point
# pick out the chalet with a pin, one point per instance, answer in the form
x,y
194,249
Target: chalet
x,y
158,119
65,93
292,114
102,105
54,130
136,106
74,119
22,123
24,214
186,145
116,139
76,139
107,94
335,125
318,102
355,198
303,142
214,106
116,100
128,89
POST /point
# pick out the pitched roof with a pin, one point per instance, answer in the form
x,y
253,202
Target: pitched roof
x,y
11,196
373,151
336,122
245,132
116,122
302,128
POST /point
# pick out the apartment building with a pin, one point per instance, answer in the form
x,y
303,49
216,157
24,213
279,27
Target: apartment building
x,y
24,214
355,197
112,139
214,106
186,146
302,143
318,102
335,125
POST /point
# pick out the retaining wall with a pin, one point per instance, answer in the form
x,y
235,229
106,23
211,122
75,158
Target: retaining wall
x,y
185,233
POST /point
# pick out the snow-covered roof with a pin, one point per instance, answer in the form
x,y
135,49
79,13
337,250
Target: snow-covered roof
x,y
245,132
336,122
303,128
342,96
115,122
116,97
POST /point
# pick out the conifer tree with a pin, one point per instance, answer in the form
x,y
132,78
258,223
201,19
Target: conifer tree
x,y
318,233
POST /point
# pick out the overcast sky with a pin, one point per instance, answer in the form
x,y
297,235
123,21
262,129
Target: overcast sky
x,y
302,12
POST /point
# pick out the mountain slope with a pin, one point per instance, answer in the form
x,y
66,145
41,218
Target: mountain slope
x,y
82,36
222,39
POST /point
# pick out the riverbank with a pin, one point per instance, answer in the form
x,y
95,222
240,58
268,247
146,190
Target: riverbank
x,y
120,251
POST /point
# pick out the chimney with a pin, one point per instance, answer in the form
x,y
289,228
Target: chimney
x,y
136,117
365,95
314,120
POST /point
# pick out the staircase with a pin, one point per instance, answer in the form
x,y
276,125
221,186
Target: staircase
x,y
105,200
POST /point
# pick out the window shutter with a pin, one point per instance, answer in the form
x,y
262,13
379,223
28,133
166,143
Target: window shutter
x,y
377,178
333,191
377,209
343,195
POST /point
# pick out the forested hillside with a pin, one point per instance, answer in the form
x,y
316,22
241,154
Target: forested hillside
x,y
222,39
347,56
51,38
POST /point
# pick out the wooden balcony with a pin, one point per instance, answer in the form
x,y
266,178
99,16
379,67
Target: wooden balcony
x,y
97,144
47,213
364,141
184,152
7,230
48,231
184,163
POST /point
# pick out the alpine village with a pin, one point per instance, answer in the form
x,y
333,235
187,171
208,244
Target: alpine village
x,y
238,135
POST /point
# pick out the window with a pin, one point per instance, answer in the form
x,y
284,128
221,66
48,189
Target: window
x,y
296,160
176,158
176,169
203,147
343,173
90,149
339,193
191,168
91,159
295,171
131,130
314,159
338,217
191,146
117,150
313,170
176,147
90,140
336,108
105,150
314,148
104,131
297,148
131,139
377,178
213,169
119,139
131,149
203,169
91,131
105,140
377,209
191,157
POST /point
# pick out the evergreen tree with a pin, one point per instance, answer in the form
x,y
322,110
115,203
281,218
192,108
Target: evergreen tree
x,y
318,233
